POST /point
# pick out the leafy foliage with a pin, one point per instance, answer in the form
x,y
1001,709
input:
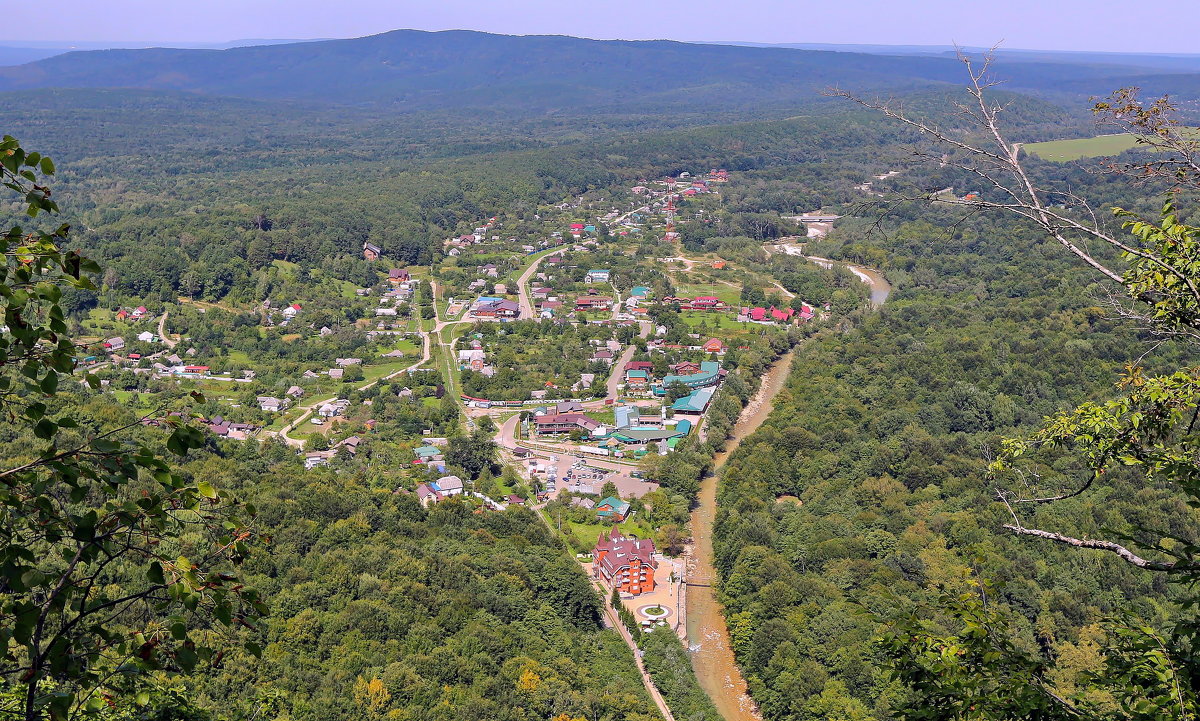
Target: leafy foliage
x,y
99,580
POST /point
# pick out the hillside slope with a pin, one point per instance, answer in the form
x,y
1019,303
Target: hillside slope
x,y
421,70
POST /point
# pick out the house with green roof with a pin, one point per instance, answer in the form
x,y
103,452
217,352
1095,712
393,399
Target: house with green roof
x,y
612,509
640,291
428,453
640,435
695,403
709,375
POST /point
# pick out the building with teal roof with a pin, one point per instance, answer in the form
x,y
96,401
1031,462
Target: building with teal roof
x,y
695,402
710,374
640,291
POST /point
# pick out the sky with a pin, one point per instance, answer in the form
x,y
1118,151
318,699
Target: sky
x,y
1100,25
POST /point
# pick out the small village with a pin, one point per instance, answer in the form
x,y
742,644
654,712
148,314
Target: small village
x,y
583,359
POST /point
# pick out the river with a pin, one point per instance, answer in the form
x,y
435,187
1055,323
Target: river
x,y
708,637
707,634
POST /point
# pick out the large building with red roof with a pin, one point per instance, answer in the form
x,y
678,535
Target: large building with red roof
x,y
626,564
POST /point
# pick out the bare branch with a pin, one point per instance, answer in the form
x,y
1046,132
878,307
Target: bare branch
x,y
1123,552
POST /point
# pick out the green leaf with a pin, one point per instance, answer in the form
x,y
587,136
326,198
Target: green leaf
x,y
154,573
205,488
47,166
45,429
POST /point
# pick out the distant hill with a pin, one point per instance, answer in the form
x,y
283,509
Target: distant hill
x,y
415,70
1118,62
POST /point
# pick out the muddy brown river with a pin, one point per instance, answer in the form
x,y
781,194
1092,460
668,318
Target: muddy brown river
x,y
707,634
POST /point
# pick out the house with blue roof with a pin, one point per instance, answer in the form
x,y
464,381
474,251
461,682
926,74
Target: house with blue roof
x,y
640,291
626,416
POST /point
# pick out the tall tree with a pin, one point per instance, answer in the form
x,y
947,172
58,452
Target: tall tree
x,y
96,583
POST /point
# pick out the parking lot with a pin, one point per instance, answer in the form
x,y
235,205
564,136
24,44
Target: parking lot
x,y
583,475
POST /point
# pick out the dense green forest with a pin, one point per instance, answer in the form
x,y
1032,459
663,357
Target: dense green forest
x,y
882,435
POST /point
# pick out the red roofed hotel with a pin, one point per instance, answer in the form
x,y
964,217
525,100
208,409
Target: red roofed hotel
x,y
626,564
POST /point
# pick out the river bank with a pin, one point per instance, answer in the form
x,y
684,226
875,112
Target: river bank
x,y
708,640
707,635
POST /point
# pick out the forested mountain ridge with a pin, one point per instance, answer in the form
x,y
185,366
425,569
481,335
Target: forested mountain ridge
x,y
414,70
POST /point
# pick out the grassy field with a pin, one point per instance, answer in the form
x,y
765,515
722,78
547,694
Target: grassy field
x,y
133,399
718,320
727,293
1062,151
586,533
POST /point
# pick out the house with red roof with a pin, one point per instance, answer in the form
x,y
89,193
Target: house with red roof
x,y
139,312
714,345
707,302
626,564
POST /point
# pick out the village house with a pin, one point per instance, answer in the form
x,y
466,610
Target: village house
x,y
139,312
147,337
313,459
294,392
396,276
271,404
114,344
473,358
612,509
564,423
568,407
714,345
766,315
625,564
606,356
291,310
636,380
495,308
371,251
122,314
347,362
426,454
597,276
334,408
349,444
336,373
592,303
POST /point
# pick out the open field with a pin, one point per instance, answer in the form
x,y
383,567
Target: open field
x,y
586,533
1066,150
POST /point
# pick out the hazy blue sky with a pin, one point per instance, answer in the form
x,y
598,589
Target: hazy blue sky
x,y
1039,24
